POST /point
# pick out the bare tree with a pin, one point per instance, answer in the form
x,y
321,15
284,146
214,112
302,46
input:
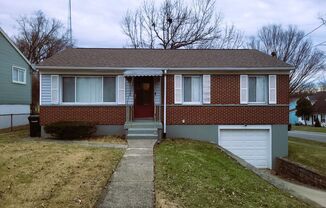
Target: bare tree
x,y
294,47
174,25
322,83
40,37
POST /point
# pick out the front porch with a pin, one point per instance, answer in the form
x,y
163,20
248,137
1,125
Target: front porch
x,y
143,104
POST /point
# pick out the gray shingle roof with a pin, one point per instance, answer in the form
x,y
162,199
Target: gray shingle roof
x,y
158,58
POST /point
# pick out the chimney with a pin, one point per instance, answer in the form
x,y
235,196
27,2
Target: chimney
x,y
273,54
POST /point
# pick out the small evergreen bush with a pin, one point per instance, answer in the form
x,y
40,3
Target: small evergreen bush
x,y
70,129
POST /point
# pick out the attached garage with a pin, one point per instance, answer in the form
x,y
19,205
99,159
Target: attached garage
x,y
251,143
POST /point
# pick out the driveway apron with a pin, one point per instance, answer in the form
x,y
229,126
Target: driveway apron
x,y
132,183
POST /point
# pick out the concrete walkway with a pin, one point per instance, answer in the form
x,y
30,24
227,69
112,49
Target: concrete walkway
x,y
132,184
314,136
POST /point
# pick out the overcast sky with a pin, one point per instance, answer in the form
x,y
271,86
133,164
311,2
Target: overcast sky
x,y
96,23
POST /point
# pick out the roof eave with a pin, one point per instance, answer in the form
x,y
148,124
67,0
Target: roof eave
x,y
168,68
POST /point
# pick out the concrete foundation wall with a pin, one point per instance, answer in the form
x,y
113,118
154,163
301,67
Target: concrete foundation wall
x,y
206,133
110,130
279,142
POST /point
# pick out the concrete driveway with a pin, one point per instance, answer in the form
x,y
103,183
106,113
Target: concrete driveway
x,y
315,136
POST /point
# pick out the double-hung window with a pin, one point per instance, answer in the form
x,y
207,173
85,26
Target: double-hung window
x,y
88,89
18,75
192,89
258,89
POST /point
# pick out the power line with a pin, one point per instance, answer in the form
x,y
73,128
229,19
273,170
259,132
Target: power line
x,y
314,29
319,44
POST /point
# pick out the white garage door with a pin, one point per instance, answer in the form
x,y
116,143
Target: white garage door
x,y
252,145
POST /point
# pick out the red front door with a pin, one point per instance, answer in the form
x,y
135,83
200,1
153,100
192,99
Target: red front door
x,y
144,97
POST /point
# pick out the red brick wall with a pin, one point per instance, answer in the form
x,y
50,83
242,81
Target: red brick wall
x,y
227,115
169,89
103,115
225,89
298,172
282,89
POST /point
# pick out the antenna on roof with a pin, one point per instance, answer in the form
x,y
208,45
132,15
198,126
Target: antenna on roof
x,y
69,23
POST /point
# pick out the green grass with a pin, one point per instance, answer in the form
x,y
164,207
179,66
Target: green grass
x,y
309,128
35,173
309,153
196,174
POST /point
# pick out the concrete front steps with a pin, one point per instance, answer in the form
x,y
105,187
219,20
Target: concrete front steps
x,y
143,129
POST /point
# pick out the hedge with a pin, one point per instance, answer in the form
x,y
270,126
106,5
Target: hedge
x,y
70,129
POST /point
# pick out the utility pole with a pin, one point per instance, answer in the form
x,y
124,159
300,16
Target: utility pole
x,y
69,23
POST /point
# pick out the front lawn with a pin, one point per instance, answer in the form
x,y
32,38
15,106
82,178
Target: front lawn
x,y
197,174
309,128
49,174
309,153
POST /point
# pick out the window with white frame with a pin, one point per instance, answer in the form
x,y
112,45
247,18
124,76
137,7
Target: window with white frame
x,y
88,89
257,89
192,89
18,75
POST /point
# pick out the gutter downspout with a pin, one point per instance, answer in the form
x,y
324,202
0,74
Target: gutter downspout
x,y
164,111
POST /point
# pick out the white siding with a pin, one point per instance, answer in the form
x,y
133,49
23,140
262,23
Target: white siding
x,y
157,90
129,92
45,89
17,120
55,89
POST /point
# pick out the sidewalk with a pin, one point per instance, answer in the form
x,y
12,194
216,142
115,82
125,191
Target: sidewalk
x,y
132,184
314,136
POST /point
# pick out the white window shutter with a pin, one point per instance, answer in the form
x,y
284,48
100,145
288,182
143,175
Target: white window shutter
x,y
243,89
121,90
207,89
177,89
54,89
272,89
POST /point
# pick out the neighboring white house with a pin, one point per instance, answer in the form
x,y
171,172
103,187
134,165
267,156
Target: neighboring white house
x,y
318,101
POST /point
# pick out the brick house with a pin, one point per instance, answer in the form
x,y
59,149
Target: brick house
x,y
235,98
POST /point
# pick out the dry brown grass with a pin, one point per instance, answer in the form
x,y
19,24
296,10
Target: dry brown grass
x,y
15,128
163,202
108,139
43,174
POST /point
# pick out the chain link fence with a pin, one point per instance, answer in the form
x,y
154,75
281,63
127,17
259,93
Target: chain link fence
x,y
13,120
